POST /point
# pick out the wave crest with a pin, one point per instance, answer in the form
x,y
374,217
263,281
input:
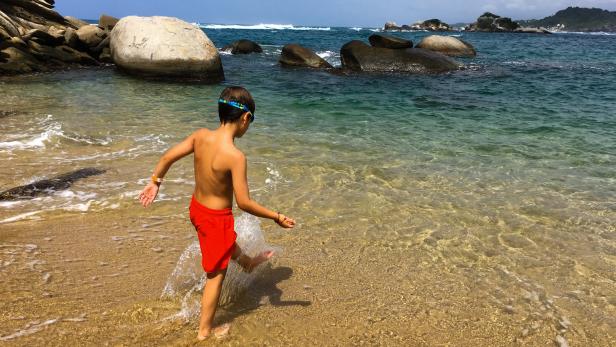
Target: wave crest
x,y
262,26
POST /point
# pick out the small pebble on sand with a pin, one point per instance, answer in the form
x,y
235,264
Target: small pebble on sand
x,y
561,341
157,249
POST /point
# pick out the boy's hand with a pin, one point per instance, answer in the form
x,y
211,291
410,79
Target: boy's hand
x,y
148,194
285,222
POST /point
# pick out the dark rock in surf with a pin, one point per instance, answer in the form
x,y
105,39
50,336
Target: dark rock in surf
x,y
48,186
387,41
294,55
243,47
530,30
358,56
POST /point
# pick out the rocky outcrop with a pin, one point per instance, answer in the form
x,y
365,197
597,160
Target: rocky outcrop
x,y
107,22
490,22
243,47
391,26
387,41
164,47
431,25
48,186
428,25
358,56
448,45
33,38
294,55
91,35
75,22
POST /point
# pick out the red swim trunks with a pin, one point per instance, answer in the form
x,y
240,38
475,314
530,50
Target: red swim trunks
x,y
216,231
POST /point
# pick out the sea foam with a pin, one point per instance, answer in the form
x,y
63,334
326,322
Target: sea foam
x,y
187,279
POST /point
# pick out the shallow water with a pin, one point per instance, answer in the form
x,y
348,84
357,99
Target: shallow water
x,y
496,182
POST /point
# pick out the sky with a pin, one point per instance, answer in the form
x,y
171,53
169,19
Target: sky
x,y
363,13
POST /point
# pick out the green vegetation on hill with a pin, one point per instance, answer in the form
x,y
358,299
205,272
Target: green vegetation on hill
x,y
577,19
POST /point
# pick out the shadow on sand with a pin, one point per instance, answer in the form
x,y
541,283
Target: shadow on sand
x,y
265,287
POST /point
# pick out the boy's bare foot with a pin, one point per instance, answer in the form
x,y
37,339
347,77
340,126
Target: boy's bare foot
x,y
219,332
249,264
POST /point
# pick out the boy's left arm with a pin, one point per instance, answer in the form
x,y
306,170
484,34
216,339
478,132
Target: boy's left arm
x,y
174,154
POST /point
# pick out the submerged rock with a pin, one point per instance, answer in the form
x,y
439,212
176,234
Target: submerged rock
x,y
48,186
243,47
358,56
387,41
529,30
448,45
296,55
164,47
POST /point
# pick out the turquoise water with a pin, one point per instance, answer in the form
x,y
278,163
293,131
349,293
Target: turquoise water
x,y
505,168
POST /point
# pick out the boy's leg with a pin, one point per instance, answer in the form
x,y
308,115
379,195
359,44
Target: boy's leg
x,y
247,263
209,302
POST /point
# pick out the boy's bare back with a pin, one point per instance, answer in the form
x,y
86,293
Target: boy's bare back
x,y
214,156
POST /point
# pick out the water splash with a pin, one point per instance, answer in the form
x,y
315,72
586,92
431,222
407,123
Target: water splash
x,y
187,279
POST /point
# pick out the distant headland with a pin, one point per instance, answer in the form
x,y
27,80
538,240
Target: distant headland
x,y
577,19
569,19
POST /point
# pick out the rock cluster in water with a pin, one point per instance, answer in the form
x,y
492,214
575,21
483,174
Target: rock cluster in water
x,y
490,22
428,25
385,54
34,37
358,56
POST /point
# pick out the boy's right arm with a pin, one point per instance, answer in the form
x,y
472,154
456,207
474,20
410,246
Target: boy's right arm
x,y
172,155
242,194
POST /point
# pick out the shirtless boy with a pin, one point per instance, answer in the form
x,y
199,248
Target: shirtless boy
x,y
220,172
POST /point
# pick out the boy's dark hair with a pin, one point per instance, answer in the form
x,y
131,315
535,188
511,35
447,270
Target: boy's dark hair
x,y
228,113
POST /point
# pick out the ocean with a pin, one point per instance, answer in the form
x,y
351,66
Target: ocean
x,y
485,192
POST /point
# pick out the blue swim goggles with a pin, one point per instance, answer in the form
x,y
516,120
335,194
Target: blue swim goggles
x,y
238,105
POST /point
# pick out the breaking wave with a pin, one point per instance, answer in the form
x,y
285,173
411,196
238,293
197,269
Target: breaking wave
x,y
261,26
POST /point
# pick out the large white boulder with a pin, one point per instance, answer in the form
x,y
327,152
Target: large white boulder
x,y
448,45
166,47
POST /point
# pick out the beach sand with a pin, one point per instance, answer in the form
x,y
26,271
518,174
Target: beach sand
x,y
99,282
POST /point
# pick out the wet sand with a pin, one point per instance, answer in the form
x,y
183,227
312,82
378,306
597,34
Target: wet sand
x,y
99,282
